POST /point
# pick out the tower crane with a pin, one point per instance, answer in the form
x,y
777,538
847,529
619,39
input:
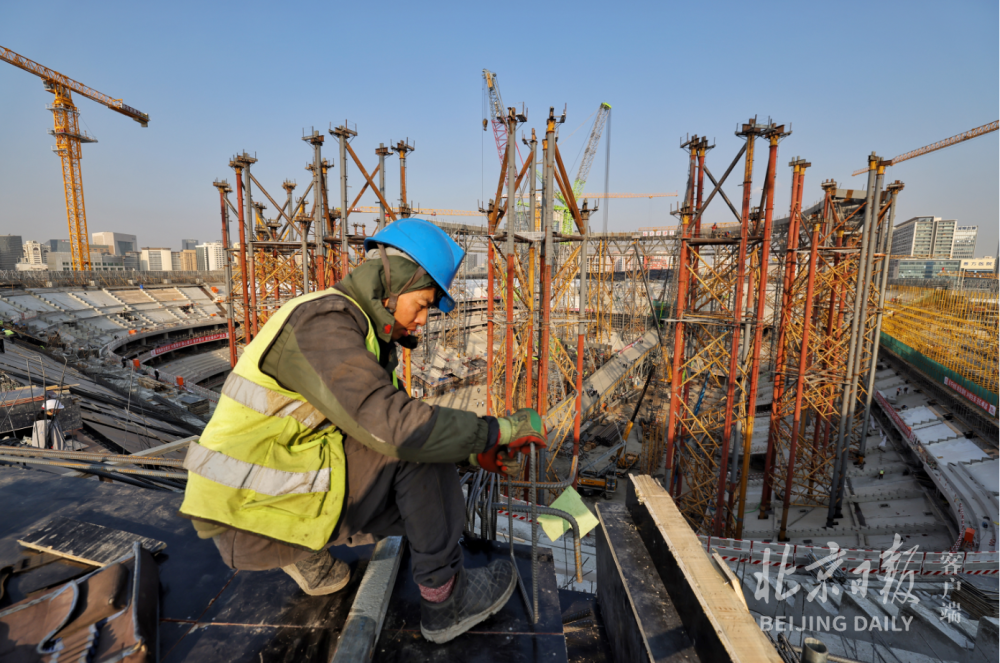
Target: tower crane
x,y
497,112
69,138
940,145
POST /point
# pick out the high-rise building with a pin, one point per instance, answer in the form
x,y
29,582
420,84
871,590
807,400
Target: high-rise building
x,y
59,245
120,243
189,260
924,236
11,251
211,256
175,261
964,247
188,244
155,260
35,253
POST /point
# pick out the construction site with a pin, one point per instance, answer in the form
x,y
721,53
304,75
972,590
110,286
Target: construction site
x,y
772,432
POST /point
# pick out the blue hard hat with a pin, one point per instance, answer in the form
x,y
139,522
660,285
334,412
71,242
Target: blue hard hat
x,y
429,246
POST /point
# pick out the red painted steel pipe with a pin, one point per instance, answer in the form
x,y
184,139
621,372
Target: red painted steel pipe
x,y
734,349
673,423
490,276
794,219
765,257
800,385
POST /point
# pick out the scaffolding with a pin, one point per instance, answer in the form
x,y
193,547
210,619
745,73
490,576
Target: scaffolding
x,y
955,328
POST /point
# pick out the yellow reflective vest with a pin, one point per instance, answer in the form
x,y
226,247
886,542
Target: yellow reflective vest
x,y
269,462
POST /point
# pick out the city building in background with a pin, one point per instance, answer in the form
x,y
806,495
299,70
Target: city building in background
x,y
132,261
61,245
60,261
984,265
120,242
189,260
211,256
35,253
11,251
924,236
156,260
964,246
188,244
922,268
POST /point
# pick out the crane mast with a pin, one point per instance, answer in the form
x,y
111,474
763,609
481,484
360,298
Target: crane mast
x,y
69,138
591,150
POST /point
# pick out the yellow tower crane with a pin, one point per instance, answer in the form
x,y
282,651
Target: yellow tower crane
x,y
69,137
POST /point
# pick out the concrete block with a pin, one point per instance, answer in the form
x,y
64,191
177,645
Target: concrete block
x,y
987,649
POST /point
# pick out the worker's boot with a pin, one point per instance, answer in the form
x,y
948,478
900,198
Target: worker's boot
x,y
478,594
320,574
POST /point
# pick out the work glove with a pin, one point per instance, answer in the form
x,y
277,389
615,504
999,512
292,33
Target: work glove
x,y
508,436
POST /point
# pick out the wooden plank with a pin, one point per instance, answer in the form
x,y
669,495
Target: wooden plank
x,y
86,542
714,617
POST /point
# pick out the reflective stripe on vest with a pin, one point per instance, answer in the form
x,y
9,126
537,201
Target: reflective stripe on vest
x,y
271,403
239,474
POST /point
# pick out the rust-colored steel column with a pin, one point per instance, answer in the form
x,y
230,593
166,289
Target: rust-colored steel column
x,y
800,382
774,134
750,131
224,188
490,275
673,422
247,331
794,219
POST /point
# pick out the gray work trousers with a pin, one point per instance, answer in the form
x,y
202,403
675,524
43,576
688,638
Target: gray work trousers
x,y
383,497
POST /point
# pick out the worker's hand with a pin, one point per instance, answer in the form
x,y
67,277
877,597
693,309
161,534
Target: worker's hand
x,y
519,430
494,460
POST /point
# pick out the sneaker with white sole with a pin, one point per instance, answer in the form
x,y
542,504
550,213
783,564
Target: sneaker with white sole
x,y
320,574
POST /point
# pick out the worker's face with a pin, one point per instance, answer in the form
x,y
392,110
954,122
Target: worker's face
x,y
411,311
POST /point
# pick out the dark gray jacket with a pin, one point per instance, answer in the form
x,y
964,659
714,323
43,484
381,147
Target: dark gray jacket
x,y
320,353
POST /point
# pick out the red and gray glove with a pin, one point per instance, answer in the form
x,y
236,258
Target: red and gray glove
x,y
508,436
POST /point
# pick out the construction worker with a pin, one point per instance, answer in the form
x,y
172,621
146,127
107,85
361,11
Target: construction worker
x,y
881,474
313,444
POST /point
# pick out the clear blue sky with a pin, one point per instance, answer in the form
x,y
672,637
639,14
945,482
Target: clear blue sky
x,y
850,77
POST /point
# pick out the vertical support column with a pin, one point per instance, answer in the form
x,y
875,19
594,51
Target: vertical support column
x,y
224,188
774,134
750,131
548,198
508,390
673,421
794,219
289,188
843,430
894,190
402,148
318,221
247,335
800,382
382,152
251,237
529,334
343,133
582,333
